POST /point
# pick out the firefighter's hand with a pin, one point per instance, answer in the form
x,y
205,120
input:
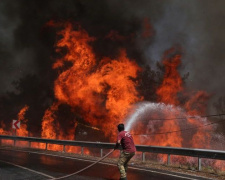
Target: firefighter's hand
x,y
116,146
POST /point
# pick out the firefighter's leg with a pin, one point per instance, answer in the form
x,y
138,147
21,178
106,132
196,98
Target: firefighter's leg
x,y
120,164
128,157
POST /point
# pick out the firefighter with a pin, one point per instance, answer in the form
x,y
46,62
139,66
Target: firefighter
x,y
126,140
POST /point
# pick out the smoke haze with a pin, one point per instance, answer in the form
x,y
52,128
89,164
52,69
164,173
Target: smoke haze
x,y
27,45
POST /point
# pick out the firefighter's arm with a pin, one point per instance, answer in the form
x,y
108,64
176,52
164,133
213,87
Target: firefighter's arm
x,y
117,144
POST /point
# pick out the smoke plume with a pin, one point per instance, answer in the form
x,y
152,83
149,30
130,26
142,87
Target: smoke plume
x,y
144,28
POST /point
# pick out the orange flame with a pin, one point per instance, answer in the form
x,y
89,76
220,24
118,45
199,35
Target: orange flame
x,y
22,131
197,105
2,131
51,130
172,83
167,93
103,90
48,126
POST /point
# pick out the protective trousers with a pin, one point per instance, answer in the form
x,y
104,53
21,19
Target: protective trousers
x,y
123,162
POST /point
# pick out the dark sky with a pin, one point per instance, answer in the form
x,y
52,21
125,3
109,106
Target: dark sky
x,y
26,45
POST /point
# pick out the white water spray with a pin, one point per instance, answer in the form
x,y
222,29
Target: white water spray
x,y
146,112
148,109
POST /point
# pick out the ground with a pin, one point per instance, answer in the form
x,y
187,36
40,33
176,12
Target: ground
x,y
150,164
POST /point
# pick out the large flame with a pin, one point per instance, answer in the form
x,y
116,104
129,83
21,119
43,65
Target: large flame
x,y
172,82
167,93
169,132
103,90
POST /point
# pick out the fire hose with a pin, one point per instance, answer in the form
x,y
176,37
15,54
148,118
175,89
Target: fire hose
x,y
85,167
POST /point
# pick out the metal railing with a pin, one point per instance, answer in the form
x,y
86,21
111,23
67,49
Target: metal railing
x,y
199,153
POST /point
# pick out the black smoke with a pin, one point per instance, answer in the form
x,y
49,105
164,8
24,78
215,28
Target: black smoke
x,y
27,45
